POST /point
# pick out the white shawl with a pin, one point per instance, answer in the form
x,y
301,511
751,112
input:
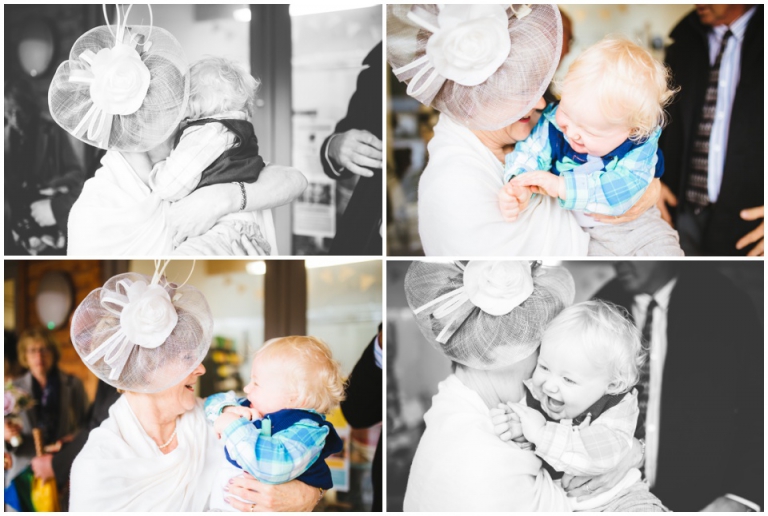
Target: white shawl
x,y
122,469
458,205
460,464
118,215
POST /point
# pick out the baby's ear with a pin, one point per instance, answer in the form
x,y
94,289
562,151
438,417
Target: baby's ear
x,y
616,387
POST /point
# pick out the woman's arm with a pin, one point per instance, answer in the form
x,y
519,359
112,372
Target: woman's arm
x,y
200,210
293,496
648,199
587,487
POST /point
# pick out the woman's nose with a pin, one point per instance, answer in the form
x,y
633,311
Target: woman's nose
x,y
199,370
541,104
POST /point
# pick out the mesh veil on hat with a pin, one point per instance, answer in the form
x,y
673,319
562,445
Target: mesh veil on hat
x,y
127,96
141,334
445,297
517,80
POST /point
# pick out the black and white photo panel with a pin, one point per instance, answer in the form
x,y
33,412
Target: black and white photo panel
x,y
193,130
575,385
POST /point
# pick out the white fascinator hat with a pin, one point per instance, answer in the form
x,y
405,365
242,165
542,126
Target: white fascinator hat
x,y
124,88
486,314
142,334
483,65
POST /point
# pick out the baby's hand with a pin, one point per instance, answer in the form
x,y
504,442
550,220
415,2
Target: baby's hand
x,y
506,425
542,182
531,420
223,421
247,412
512,200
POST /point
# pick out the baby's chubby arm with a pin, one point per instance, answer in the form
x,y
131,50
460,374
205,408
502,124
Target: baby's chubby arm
x,y
275,458
533,153
506,425
180,173
225,407
592,448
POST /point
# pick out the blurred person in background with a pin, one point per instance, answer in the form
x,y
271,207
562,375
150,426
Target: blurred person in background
x,y
43,176
696,391
363,406
60,407
714,143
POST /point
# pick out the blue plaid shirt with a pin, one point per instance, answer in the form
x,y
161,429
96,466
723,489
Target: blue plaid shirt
x,y
610,188
272,459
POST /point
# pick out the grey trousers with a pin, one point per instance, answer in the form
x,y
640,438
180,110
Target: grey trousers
x,y
647,235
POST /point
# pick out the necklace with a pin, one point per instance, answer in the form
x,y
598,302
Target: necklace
x,y
168,442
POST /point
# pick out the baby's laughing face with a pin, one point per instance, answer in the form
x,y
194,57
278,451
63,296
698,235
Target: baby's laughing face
x,y
270,388
566,380
585,127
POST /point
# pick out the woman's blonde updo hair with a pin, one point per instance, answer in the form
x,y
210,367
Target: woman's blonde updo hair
x,y
313,371
632,87
218,85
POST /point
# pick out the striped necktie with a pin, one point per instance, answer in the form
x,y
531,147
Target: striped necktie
x,y
645,373
697,191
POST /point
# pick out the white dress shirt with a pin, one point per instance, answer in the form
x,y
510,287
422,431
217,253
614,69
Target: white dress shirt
x,y
730,72
656,356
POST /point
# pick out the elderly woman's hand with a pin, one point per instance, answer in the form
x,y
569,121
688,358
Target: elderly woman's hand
x,y
586,487
293,496
645,202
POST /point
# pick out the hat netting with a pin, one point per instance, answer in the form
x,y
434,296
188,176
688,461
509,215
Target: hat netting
x,y
480,340
146,370
509,93
162,109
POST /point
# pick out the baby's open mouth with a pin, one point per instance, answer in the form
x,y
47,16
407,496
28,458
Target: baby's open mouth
x,y
553,405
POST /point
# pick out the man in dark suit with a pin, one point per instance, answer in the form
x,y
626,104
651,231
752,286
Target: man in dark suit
x,y
713,145
363,405
355,147
704,414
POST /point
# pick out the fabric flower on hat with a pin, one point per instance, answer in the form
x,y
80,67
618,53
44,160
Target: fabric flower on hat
x,y
149,317
471,43
121,80
498,287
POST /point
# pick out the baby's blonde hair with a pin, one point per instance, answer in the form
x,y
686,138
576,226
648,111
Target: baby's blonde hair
x,y
631,86
608,336
218,84
313,371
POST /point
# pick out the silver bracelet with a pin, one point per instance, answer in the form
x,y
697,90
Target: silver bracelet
x,y
244,199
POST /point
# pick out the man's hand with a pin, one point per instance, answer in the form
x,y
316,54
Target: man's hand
x,y
42,212
648,199
586,487
293,496
725,504
531,421
545,182
756,235
666,198
357,151
42,467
